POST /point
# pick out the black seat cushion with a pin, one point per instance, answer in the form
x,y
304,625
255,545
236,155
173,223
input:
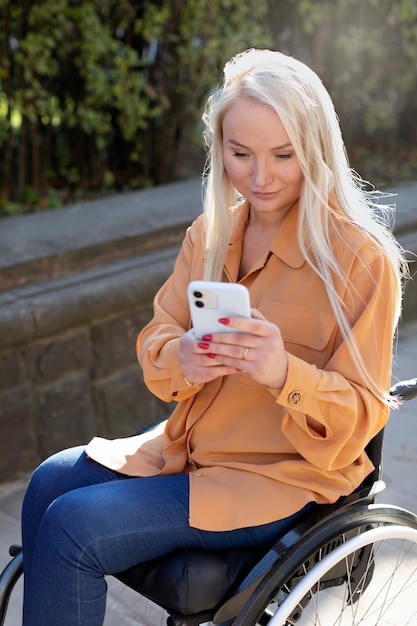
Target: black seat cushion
x,y
190,580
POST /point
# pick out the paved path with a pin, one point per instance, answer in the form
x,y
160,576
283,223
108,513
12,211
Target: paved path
x,y
400,463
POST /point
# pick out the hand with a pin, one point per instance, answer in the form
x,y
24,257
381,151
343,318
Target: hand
x,y
197,362
258,350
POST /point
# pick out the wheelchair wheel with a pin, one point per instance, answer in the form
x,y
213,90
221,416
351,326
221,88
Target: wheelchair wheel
x,y
8,580
360,568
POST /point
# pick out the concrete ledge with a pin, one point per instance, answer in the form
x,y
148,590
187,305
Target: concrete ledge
x,y
76,286
42,309
78,237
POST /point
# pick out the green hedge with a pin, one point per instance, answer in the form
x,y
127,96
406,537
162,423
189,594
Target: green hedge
x,y
107,93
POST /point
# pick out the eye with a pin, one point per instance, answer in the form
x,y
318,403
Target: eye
x,y
287,155
240,155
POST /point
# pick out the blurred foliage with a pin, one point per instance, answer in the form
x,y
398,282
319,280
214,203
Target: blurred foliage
x,y
365,51
104,95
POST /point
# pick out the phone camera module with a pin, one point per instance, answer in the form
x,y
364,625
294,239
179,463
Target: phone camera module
x,y
198,302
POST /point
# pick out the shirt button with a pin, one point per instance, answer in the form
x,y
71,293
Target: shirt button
x,y
198,474
294,397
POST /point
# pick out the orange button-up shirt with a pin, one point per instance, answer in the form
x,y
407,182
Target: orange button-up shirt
x,y
250,453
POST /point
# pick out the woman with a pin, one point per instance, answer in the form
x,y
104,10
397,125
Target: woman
x,y
269,420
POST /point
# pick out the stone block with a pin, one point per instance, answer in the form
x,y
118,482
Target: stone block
x,y
53,358
408,241
12,369
18,451
410,301
16,321
66,413
114,342
125,404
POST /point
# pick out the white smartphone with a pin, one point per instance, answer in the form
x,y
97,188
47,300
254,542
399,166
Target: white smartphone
x,y
210,301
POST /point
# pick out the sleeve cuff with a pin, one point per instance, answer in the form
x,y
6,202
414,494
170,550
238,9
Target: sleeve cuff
x,y
299,387
181,388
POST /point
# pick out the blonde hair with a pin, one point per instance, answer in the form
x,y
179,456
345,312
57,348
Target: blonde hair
x,y
332,193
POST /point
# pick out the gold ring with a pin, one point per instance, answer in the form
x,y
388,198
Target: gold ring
x,y
245,354
187,382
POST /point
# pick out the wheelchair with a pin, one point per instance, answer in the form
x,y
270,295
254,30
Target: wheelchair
x,y
349,563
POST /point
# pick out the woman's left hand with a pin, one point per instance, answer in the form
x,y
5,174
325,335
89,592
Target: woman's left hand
x,y
258,350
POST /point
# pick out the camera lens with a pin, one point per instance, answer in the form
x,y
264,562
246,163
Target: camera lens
x,y
197,294
199,303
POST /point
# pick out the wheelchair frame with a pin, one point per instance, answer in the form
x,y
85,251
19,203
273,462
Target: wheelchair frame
x,y
331,547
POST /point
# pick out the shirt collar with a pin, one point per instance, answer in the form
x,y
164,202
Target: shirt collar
x,y
285,244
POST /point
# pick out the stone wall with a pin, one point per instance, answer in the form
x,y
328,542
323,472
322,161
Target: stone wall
x,y
76,286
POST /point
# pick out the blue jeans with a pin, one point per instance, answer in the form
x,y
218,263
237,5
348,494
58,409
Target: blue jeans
x,y
81,521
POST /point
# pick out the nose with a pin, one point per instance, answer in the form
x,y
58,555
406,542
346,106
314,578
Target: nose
x,y
262,174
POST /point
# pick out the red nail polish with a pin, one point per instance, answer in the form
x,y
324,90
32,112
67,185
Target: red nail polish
x,y
207,337
211,355
224,320
203,346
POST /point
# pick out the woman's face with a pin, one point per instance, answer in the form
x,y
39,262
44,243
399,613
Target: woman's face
x,y
259,158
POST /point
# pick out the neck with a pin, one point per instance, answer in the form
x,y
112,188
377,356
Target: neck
x,y
265,221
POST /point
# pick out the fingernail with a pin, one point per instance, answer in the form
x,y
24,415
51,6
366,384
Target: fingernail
x,y
207,337
203,346
211,355
224,320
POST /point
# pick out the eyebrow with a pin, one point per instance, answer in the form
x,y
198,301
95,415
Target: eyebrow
x,y
241,145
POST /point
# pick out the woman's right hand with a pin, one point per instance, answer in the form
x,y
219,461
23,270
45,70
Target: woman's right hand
x,y
197,363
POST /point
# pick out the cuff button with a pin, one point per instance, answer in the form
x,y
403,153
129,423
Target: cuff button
x,y
294,397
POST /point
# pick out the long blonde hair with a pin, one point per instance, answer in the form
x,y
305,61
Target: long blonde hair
x,y
330,190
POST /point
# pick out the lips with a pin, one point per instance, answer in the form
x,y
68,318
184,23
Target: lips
x,y
263,195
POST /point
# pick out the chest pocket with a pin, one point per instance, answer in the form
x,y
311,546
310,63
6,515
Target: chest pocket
x,y
307,334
